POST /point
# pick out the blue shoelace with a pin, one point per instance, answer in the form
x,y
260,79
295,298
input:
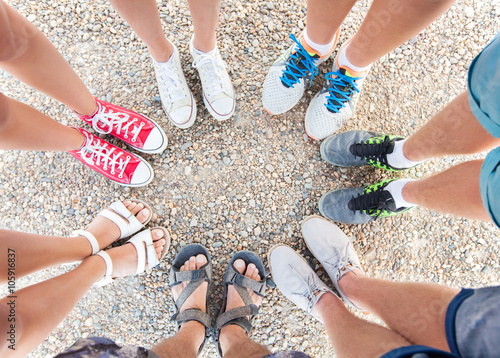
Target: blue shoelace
x,y
300,64
340,89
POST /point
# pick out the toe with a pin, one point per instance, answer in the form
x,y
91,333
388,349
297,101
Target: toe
x,y
138,207
252,272
186,265
192,263
200,260
143,215
131,205
256,276
157,234
239,265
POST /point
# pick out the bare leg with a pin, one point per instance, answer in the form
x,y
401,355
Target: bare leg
x,y
454,191
24,128
144,19
454,130
324,17
416,311
28,55
205,15
36,313
352,336
388,24
188,340
36,252
233,339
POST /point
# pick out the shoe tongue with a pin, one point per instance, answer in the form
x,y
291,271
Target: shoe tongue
x,y
346,71
297,61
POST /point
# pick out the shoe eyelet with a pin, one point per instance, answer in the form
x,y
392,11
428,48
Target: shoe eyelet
x,y
120,176
128,156
125,136
112,172
133,140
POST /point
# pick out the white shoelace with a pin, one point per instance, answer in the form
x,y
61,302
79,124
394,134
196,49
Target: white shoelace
x,y
312,292
170,80
121,121
342,266
99,153
210,66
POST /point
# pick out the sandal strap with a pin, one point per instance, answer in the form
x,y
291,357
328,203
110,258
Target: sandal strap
x,y
237,316
123,218
176,277
233,276
193,314
149,253
109,269
89,236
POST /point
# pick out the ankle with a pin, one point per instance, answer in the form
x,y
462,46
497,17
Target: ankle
x,y
95,268
350,281
348,57
82,246
196,331
229,335
325,305
162,53
76,139
204,45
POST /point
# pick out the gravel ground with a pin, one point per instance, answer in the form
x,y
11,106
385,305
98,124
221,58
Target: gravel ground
x,y
246,183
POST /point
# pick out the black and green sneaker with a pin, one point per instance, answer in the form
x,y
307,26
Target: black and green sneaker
x,y
360,205
359,148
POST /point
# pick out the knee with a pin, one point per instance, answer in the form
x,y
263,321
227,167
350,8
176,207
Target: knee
x,y
14,34
12,46
5,112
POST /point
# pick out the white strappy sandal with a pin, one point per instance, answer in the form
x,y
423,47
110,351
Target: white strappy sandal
x,y
122,217
146,254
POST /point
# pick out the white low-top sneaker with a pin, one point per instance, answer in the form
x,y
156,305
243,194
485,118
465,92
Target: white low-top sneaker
x,y
176,98
218,92
295,278
332,248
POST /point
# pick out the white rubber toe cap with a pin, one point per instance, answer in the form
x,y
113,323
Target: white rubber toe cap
x,y
143,175
156,142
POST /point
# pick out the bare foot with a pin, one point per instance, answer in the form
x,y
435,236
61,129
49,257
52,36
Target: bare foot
x,y
124,257
231,333
106,232
198,298
233,297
